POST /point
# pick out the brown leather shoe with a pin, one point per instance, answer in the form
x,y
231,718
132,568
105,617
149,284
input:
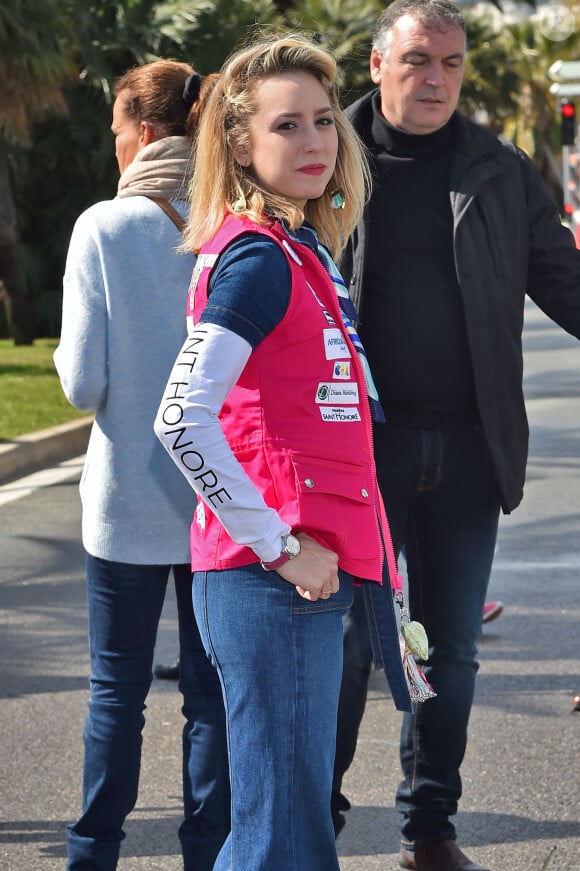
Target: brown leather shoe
x,y
437,856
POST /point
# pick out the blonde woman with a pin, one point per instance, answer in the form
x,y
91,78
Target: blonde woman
x,y
267,415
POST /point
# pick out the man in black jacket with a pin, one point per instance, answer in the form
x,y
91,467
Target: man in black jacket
x,y
458,229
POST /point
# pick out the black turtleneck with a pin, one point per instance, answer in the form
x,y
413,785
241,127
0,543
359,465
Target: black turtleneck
x,y
413,325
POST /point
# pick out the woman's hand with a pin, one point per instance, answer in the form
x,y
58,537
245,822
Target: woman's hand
x,y
314,572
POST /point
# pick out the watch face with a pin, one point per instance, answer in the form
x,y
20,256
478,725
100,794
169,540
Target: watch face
x,y
291,546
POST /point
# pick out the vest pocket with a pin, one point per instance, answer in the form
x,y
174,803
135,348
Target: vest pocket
x,y
336,505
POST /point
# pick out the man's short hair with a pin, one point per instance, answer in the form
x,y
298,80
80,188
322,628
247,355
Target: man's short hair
x,y
433,14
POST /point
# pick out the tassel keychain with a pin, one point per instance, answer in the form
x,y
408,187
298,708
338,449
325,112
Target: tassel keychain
x,y
413,635
415,644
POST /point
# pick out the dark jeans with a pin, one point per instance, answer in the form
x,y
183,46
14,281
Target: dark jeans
x,y
443,506
124,605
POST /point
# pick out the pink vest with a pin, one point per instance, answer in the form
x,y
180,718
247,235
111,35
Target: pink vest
x,y
298,421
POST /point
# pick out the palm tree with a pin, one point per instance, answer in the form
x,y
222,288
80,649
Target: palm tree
x,y
73,164
534,124
492,81
222,25
507,77
34,60
344,27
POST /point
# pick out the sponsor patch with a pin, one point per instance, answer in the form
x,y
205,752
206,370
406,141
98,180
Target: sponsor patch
x,y
329,393
203,261
339,415
335,347
341,370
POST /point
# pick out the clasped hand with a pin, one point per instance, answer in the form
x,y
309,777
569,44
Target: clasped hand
x,y
314,572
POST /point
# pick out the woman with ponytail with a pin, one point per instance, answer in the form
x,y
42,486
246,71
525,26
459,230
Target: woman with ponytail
x,y
125,288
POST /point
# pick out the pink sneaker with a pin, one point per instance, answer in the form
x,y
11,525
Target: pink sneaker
x,y
491,611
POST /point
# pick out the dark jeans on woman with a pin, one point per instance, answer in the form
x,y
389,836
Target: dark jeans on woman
x,y
443,506
124,606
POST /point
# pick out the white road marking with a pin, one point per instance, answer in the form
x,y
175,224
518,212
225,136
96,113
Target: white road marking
x,y
45,478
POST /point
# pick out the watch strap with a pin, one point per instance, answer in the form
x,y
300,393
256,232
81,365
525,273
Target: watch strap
x,y
276,563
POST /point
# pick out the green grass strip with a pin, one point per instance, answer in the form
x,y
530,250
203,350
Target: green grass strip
x,y
31,397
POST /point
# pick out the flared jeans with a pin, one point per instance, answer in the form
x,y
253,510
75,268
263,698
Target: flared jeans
x,y
279,659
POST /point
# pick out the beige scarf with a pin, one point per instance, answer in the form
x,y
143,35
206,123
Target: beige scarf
x,y
161,169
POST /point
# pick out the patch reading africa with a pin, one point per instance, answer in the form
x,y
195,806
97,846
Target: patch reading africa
x,y
335,347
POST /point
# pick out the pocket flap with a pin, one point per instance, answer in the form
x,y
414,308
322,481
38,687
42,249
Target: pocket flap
x,y
315,475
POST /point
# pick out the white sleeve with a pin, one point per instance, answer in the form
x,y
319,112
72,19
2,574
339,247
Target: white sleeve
x,y
210,362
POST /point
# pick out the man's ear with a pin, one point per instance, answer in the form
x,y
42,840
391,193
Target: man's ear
x,y
375,66
147,133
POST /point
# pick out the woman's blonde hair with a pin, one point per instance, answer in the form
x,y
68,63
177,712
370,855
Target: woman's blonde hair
x,y
220,185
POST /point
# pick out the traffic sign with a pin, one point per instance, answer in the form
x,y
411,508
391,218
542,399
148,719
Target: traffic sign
x,y
565,70
568,89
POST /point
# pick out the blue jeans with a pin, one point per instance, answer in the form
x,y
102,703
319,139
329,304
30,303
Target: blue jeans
x,y
279,658
443,506
124,606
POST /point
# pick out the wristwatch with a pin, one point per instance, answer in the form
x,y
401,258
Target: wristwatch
x,y
290,549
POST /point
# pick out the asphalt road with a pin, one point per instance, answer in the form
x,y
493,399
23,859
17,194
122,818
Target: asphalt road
x,y
521,805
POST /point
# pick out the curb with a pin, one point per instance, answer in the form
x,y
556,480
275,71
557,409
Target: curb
x,y
29,453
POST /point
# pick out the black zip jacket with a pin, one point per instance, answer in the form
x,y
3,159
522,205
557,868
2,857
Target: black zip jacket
x,y
508,241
